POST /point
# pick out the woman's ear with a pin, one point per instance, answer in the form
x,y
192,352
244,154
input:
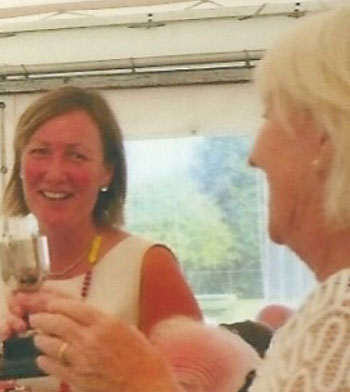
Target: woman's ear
x,y
107,175
324,153
320,142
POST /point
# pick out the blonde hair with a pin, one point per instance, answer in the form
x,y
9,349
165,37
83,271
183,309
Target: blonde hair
x,y
309,70
109,208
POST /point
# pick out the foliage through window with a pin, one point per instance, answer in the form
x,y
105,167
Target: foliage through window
x,y
199,196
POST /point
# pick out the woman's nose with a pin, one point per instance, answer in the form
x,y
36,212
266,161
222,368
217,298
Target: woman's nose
x,y
55,168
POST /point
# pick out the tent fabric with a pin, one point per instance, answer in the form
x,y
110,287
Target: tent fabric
x,y
20,8
9,11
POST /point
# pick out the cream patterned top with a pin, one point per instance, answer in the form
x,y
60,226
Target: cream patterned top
x,y
311,352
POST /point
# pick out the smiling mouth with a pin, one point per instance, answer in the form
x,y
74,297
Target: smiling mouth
x,y
56,195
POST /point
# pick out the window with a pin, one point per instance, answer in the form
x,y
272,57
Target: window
x,y
199,196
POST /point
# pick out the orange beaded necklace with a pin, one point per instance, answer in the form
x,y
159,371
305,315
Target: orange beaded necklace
x,y
91,253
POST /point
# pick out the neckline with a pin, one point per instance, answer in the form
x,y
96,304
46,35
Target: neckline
x,y
91,254
101,260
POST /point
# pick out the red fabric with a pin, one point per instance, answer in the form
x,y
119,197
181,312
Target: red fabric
x,y
164,290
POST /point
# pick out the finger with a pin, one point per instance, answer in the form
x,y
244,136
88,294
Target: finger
x,y
33,302
80,312
51,347
56,325
13,305
5,332
55,368
84,380
54,292
55,302
8,384
14,324
30,302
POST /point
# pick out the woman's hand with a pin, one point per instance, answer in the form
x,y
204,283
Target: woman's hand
x,y
92,351
7,385
16,321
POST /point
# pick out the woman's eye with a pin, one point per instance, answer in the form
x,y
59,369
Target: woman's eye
x,y
39,151
77,156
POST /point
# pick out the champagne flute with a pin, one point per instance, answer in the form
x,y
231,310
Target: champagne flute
x,y
25,263
24,255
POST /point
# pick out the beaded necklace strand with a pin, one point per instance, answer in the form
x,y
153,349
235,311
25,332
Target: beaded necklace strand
x,y
92,259
91,253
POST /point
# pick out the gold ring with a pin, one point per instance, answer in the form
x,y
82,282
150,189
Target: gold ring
x,y
62,354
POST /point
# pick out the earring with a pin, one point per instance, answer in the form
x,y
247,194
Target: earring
x,y
104,188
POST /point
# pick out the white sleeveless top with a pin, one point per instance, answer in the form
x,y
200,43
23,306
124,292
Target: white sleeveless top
x,y
114,289
311,352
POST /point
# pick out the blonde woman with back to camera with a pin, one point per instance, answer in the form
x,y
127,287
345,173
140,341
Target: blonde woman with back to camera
x,y
304,149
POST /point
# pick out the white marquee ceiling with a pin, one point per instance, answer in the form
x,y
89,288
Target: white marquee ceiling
x,y
122,43
18,8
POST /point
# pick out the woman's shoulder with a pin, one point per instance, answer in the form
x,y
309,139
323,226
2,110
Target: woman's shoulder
x,y
118,243
115,238
129,240
329,296
310,340
332,291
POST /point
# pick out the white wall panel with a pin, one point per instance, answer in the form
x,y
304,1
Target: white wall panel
x,y
170,111
165,112
114,42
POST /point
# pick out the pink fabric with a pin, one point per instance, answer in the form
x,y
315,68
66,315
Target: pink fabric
x,y
274,315
204,358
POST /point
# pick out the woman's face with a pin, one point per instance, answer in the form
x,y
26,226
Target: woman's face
x,y
62,169
290,162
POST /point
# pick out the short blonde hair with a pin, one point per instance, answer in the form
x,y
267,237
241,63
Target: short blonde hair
x,y
309,70
109,208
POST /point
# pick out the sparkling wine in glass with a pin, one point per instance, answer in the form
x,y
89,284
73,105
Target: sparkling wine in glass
x,y
24,258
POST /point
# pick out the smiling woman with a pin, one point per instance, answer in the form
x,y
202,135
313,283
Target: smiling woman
x,y
70,173
63,170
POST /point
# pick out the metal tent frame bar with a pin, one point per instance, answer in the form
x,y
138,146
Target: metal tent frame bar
x,y
226,67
